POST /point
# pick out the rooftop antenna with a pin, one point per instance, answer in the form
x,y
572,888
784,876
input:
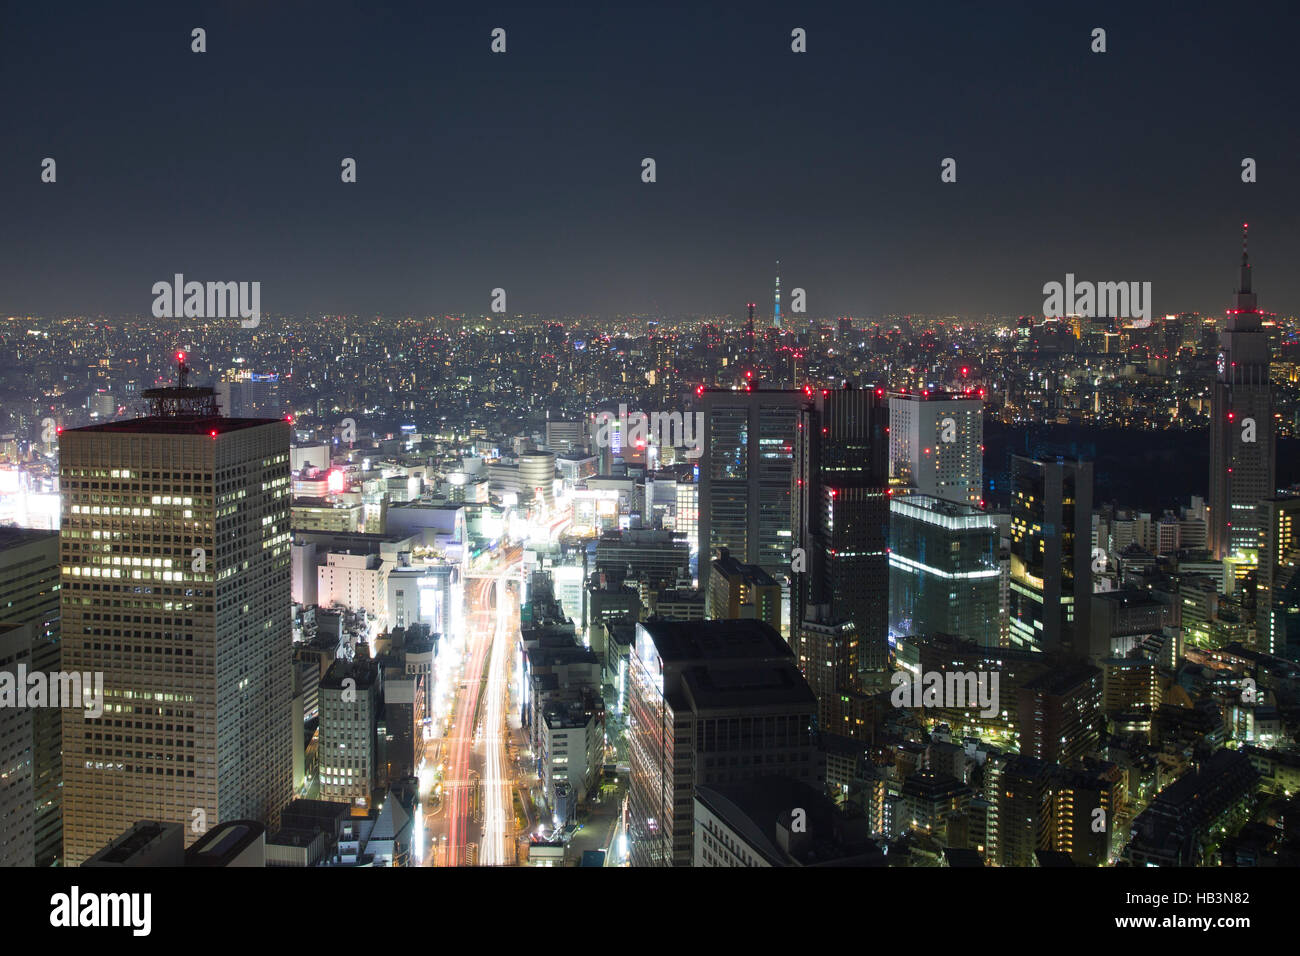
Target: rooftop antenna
x,y
182,400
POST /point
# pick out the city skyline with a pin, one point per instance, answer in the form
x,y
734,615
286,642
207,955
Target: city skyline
x,y
760,436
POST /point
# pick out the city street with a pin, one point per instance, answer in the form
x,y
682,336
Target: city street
x,y
471,821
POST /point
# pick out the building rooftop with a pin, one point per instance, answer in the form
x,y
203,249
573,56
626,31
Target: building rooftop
x,y
145,843
1059,680
13,537
224,843
766,686
751,574
683,642
156,425
933,395
1128,597
364,672
760,809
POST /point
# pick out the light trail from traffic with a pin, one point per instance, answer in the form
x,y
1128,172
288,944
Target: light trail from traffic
x,y
460,750
480,716
496,775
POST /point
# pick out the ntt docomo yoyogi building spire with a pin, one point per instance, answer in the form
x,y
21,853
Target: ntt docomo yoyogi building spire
x,y
1243,447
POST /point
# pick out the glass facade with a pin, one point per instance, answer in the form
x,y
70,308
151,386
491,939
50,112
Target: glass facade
x,y
943,570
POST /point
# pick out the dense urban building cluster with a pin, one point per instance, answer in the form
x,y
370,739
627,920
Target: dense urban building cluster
x,y
352,591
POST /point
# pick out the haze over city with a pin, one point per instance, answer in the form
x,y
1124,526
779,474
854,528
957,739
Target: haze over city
x,y
523,171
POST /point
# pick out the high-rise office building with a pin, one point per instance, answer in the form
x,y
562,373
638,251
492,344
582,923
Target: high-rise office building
x,y
738,590
1243,451
745,474
350,694
944,575
17,782
243,393
175,557
936,444
1051,554
605,438
828,656
1024,810
29,595
686,515
1277,603
1059,713
841,515
711,702
660,557
561,436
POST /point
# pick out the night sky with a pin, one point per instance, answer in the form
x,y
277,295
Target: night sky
x,y
523,170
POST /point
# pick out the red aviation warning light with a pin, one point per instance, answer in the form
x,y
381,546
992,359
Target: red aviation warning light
x,y
213,433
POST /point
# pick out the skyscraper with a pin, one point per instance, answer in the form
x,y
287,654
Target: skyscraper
x,y
943,569
936,444
842,515
1059,713
350,693
175,553
828,656
17,792
29,596
1277,607
745,475
1243,450
1051,554
776,307
711,702
1024,809
686,516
